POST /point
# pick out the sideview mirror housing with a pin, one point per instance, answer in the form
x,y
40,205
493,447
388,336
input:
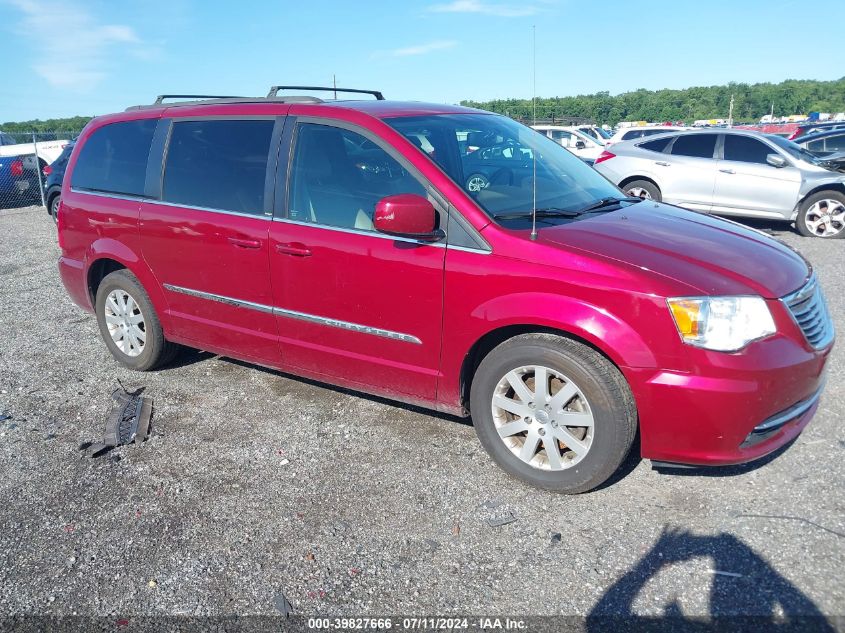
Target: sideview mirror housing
x,y
776,160
580,145
407,215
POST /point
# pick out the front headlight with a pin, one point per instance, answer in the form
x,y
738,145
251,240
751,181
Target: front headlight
x,y
723,324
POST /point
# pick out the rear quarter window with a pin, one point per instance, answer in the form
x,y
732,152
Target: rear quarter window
x,y
657,145
114,158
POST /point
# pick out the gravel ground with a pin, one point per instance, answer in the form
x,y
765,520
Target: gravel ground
x,y
256,485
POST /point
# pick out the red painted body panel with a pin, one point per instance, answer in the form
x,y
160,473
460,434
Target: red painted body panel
x,y
365,280
604,280
218,253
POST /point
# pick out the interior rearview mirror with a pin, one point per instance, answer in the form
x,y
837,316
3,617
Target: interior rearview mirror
x,y
776,160
407,215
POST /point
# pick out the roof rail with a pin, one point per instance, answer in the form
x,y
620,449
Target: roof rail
x,y
275,89
160,99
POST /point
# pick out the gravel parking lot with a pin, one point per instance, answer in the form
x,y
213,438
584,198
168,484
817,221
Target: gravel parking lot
x,y
257,485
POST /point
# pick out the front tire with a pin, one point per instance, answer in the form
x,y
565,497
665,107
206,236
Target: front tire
x,y
822,215
643,189
129,325
553,412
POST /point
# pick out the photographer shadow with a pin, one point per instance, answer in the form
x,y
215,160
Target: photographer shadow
x,y
746,593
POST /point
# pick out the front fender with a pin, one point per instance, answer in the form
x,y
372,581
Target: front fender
x,y
604,330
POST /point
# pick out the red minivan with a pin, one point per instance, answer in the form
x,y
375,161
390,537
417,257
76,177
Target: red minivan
x,y
341,241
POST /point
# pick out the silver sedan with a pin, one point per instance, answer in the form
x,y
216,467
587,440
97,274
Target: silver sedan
x,y
733,172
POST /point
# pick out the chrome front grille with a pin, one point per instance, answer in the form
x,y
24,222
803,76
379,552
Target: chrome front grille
x,y
809,309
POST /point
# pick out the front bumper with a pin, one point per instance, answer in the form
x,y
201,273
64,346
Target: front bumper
x,y
734,408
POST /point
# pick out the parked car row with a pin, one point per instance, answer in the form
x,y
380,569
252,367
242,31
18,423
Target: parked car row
x,y
735,173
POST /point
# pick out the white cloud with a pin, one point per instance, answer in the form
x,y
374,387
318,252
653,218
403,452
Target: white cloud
x,y
418,49
73,49
422,49
486,8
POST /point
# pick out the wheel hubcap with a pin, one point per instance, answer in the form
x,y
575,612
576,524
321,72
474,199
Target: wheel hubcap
x,y
543,417
125,322
638,192
476,184
825,218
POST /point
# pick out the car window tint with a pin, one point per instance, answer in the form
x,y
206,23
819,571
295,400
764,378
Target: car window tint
x,y
219,164
114,158
338,176
695,145
627,136
653,132
818,144
745,149
835,143
657,145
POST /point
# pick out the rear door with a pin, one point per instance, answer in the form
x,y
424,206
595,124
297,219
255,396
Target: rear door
x,y
355,306
206,238
747,185
687,173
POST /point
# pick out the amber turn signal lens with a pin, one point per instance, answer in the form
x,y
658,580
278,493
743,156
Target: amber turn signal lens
x,y
687,315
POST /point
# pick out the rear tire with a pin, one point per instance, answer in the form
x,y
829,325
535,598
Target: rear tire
x,y
129,325
822,215
643,189
54,207
581,420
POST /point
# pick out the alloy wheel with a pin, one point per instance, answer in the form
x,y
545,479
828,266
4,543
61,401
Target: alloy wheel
x,y
125,322
825,218
638,192
543,417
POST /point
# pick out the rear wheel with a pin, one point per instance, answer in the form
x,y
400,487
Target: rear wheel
x,y
129,324
553,412
477,182
54,207
642,189
822,215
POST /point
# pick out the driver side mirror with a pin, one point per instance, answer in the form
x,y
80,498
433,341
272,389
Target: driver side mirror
x,y
407,215
776,160
580,145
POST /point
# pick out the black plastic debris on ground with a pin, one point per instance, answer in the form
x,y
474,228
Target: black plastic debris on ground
x,y
128,422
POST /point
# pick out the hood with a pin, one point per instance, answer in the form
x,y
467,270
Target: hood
x,y
712,255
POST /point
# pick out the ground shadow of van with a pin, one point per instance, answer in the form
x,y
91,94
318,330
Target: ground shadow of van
x,y
751,596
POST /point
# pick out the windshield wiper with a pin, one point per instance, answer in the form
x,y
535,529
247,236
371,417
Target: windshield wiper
x,y
547,212
605,202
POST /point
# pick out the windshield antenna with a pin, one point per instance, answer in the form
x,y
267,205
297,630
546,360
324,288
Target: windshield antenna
x,y
534,152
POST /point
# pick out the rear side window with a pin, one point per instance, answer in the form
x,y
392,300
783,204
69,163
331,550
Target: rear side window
x,y
627,136
219,164
816,145
114,158
745,149
657,145
835,143
695,145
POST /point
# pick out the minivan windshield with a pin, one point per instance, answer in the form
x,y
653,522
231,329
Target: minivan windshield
x,y
493,158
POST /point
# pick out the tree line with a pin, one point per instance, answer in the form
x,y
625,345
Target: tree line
x,y
751,101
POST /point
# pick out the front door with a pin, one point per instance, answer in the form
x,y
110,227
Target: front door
x,y
747,185
207,239
356,306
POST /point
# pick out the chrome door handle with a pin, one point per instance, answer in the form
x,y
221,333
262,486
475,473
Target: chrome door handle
x,y
244,242
297,249
727,171
662,164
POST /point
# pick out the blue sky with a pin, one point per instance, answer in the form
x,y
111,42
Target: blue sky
x,y
69,57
